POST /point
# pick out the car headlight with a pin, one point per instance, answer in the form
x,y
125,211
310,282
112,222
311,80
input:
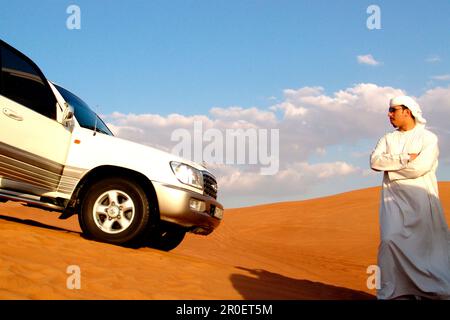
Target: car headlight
x,y
187,174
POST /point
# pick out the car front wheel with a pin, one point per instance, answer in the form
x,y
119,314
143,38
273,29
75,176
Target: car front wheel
x,y
115,210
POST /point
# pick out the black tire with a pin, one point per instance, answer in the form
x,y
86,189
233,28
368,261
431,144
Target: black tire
x,y
166,237
118,224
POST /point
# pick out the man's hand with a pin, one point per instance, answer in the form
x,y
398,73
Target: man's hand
x,y
412,156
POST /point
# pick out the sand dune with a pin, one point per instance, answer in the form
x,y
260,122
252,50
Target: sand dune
x,y
315,249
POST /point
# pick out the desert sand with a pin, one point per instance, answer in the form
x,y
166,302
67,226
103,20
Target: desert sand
x,y
313,249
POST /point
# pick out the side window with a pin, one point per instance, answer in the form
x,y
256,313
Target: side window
x,y
22,83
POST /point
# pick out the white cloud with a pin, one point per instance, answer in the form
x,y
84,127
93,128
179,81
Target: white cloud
x,y
320,120
290,110
368,59
433,59
442,77
238,113
309,122
303,92
294,179
435,104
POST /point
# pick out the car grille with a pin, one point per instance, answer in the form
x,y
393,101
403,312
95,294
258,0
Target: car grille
x,y
210,185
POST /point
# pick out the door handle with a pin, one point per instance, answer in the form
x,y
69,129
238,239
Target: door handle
x,y
12,114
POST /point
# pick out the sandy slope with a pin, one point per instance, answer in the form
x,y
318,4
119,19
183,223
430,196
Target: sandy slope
x,y
315,249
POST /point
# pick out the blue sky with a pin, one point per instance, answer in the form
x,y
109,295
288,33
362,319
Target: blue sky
x,y
187,57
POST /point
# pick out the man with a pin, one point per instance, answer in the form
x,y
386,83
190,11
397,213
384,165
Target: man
x,y
414,253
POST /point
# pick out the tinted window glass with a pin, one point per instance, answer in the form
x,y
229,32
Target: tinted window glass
x,y
85,116
22,83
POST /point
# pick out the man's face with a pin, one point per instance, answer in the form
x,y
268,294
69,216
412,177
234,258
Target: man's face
x,y
397,116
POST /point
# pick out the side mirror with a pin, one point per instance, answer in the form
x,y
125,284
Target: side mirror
x,y
68,115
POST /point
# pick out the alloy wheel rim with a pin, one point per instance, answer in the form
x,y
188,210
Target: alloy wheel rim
x,y
113,211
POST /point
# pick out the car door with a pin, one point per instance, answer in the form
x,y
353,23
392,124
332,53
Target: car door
x,y
33,145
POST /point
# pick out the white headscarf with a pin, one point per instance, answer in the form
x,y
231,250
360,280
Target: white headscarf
x,y
411,105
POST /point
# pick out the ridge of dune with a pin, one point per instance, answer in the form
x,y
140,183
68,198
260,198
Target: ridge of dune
x,y
310,249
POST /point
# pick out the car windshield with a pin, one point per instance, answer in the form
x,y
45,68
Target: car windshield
x,y
85,116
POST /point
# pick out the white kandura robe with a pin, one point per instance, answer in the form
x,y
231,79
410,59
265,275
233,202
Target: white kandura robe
x,y
414,252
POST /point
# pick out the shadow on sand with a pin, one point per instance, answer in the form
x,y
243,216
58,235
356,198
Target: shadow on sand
x,y
35,224
265,285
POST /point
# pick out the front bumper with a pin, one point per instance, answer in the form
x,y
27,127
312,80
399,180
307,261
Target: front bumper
x,y
174,207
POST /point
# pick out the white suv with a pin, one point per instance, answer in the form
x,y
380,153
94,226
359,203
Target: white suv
x,y
57,154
